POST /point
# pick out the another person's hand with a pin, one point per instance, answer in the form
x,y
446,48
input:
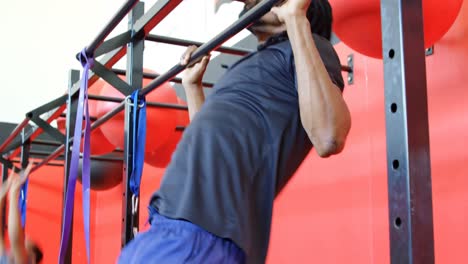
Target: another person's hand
x,y
193,74
291,8
17,180
4,189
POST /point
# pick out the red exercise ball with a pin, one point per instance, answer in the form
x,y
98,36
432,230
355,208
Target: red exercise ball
x,y
182,115
160,124
99,144
161,156
358,23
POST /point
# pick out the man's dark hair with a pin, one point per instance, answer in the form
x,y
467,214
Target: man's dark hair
x,y
320,17
37,253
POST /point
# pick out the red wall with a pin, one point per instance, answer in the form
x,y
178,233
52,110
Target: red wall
x,y
43,219
334,210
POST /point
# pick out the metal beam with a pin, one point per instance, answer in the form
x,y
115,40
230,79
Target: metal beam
x,y
47,107
154,15
46,127
186,43
130,215
150,104
13,134
148,75
407,127
113,79
115,20
113,43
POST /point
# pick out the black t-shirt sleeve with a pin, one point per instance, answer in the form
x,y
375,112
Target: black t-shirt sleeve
x,y
329,58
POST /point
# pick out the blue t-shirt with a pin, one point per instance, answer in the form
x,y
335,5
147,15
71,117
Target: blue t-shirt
x,y
241,149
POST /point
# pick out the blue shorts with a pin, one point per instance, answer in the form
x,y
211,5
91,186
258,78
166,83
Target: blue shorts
x,y
170,241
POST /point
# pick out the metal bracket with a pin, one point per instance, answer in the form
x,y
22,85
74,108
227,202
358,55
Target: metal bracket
x,y
112,78
350,69
52,131
48,106
430,51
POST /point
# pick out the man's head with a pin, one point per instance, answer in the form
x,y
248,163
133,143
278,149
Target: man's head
x,y
319,15
33,250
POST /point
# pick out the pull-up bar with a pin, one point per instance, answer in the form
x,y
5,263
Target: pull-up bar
x,y
185,43
223,49
252,15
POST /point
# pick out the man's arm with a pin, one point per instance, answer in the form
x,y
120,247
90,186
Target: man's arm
x,y
192,81
195,98
323,111
15,230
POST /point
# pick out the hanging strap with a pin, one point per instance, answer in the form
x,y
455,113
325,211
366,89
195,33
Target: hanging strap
x,y
22,202
82,108
139,140
86,176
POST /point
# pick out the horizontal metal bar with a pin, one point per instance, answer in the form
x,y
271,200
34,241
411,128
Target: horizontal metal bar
x,y
46,142
115,20
149,75
151,104
51,157
186,43
255,13
93,157
36,162
108,115
92,118
14,133
222,49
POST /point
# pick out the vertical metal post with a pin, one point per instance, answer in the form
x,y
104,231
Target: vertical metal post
x,y
130,215
409,167
72,106
25,151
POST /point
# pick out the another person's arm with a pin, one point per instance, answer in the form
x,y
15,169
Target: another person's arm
x,y
324,113
3,193
192,81
15,230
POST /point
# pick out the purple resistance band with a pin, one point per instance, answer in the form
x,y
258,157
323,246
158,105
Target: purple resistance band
x,y
87,63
